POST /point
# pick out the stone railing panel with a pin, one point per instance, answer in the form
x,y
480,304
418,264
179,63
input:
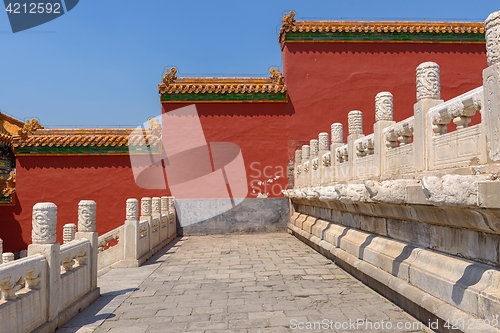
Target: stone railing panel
x,y
76,273
110,247
26,277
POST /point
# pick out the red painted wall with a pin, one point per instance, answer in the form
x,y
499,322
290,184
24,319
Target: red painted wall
x,y
65,180
260,131
327,80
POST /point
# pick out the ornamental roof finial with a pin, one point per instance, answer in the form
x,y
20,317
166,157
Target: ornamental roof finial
x,y
170,76
276,75
29,127
288,20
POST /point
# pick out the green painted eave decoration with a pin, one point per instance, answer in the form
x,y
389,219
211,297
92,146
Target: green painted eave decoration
x,y
226,97
384,37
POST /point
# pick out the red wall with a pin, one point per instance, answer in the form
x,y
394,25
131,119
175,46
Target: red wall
x,y
327,80
65,180
260,131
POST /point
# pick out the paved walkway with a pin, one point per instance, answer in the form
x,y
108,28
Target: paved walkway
x,y
260,283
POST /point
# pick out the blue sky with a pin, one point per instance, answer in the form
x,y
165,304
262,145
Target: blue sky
x,y
99,64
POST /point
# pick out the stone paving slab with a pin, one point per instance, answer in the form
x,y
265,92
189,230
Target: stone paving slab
x,y
259,283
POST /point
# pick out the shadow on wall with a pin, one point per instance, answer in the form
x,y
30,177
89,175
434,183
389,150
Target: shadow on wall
x,y
10,230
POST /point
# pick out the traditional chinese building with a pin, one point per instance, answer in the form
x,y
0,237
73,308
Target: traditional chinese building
x,y
329,69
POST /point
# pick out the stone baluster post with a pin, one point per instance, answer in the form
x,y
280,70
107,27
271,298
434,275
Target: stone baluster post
x,y
337,134
172,217
146,215
428,95
164,218
355,128
384,113
325,169
131,232
87,211
43,238
491,86
306,172
7,257
314,162
154,226
297,168
69,231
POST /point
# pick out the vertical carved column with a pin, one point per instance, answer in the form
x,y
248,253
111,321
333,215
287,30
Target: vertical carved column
x,y
298,168
337,133
69,231
428,95
384,114
355,122
145,209
355,128
43,238
305,177
7,257
305,153
164,218
384,106
428,81
87,212
87,215
131,232
132,210
156,206
491,86
314,144
173,217
323,141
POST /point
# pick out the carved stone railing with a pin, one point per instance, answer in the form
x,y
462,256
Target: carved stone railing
x,y
45,289
414,208
110,247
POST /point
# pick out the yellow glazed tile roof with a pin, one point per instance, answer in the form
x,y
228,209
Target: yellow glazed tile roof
x,y
289,24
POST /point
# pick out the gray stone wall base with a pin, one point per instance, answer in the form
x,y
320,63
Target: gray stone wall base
x,y
409,276
250,216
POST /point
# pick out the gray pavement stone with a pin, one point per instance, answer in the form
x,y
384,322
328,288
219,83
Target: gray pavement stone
x,y
231,284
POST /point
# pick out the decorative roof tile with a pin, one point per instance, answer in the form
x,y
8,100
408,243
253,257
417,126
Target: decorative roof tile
x,y
217,89
86,141
379,31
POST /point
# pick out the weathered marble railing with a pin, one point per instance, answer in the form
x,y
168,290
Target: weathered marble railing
x,y
43,290
413,209
141,236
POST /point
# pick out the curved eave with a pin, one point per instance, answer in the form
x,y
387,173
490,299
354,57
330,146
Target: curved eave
x,y
383,32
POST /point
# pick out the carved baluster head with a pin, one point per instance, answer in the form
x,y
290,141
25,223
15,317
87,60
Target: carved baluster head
x,y
132,209
86,215
305,152
323,141
337,133
428,81
156,206
146,206
384,106
355,122
314,144
164,204
298,156
69,231
171,204
492,26
7,257
44,222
